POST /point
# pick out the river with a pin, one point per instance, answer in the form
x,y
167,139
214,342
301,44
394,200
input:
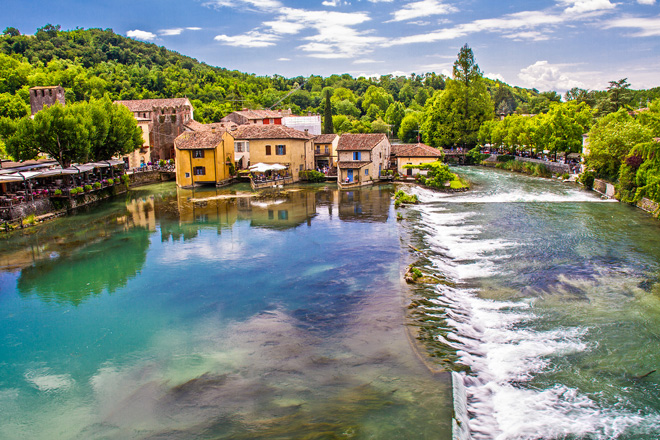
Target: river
x,y
549,312
168,314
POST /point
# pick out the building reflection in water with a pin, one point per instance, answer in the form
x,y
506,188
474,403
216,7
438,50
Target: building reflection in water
x,y
369,204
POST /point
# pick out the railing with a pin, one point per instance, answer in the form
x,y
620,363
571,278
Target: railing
x,y
257,184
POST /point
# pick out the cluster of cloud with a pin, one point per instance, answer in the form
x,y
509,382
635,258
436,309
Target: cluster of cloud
x,y
150,36
333,34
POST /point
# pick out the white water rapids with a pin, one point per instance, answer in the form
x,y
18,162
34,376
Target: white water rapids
x,y
505,340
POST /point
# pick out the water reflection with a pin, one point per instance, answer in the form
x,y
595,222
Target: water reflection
x,y
370,204
105,265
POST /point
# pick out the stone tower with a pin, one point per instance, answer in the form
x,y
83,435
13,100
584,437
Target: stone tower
x,y
41,97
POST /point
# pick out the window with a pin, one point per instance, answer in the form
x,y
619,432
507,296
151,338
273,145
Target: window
x,y
301,167
199,171
241,146
280,150
357,155
366,171
283,214
271,214
271,121
198,154
267,150
326,150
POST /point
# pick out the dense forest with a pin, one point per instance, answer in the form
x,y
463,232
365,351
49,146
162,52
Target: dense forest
x,y
462,111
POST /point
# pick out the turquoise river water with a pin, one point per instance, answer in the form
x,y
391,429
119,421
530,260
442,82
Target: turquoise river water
x,y
176,315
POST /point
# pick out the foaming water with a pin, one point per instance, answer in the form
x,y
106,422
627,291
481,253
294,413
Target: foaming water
x,y
528,310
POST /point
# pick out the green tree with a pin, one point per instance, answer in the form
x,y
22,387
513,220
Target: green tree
x,y
378,97
12,106
611,139
568,122
328,127
394,115
56,131
410,127
453,116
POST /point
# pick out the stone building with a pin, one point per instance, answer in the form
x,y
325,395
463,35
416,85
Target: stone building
x,y
41,97
362,158
167,119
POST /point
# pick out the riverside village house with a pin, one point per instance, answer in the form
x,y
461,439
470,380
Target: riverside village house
x,y
204,157
276,144
325,151
413,154
164,120
361,158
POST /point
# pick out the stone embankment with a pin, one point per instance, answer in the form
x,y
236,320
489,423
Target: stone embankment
x,y
59,205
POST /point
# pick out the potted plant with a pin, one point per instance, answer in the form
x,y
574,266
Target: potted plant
x,y
96,185
87,188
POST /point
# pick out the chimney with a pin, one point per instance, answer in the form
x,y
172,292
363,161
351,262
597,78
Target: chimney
x,y
212,129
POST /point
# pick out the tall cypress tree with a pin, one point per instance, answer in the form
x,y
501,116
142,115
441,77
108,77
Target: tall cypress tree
x,y
328,128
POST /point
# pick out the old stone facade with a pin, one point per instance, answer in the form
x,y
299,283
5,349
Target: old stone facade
x,y
41,97
167,119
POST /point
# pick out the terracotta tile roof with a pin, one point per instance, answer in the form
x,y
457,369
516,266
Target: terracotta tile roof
x,y
260,114
415,150
362,141
247,132
353,164
325,138
146,105
198,126
199,140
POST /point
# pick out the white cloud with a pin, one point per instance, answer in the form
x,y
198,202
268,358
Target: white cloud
x,y
527,35
647,27
169,32
423,8
646,2
249,39
545,76
366,61
332,3
582,6
194,28
495,76
141,35
263,5
284,59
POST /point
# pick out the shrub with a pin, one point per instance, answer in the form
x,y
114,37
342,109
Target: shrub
x,y
505,158
401,197
30,220
87,188
58,192
125,180
312,176
587,179
96,185
161,163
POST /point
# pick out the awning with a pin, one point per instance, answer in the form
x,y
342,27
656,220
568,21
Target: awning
x,y
263,167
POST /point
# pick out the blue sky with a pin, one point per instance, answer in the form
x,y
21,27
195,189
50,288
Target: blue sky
x,y
547,44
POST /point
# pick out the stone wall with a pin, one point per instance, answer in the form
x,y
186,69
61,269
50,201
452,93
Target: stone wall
x,y
147,177
649,206
35,207
605,188
555,167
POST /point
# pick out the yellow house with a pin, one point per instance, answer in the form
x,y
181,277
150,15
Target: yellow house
x,y
141,155
413,154
325,150
278,144
204,157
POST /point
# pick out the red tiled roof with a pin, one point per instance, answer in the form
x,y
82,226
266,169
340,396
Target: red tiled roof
x,y
199,140
325,138
198,126
362,141
247,132
145,105
353,164
415,150
260,114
